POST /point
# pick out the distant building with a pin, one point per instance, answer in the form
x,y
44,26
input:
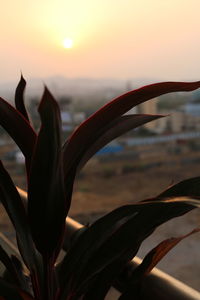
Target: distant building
x,y
171,123
129,88
191,109
67,113
187,118
149,107
79,117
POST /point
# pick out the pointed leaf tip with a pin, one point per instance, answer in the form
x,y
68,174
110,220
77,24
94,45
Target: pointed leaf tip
x,y
19,98
157,253
22,78
47,97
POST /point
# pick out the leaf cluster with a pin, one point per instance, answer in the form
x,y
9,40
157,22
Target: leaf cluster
x,y
100,252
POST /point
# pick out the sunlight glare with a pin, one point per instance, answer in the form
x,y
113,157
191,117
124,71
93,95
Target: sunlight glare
x,y
67,43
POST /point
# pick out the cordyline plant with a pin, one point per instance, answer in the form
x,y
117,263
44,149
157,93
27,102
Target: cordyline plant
x,y
100,252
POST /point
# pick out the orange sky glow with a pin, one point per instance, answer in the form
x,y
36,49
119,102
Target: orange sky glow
x,y
111,39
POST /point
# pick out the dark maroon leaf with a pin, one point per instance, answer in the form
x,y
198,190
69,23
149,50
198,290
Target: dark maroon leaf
x,y
10,268
10,292
156,254
149,262
98,288
137,295
19,98
15,209
46,197
124,243
115,129
84,240
23,278
120,234
18,128
189,187
25,296
88,132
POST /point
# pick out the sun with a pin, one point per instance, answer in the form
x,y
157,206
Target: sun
x,y
67,43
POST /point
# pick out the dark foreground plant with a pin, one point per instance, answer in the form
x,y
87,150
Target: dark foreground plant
x,y
100,252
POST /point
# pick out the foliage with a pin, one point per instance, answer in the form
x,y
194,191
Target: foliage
x,y
100,252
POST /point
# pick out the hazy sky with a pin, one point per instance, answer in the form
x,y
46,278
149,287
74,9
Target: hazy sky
x,y
112,38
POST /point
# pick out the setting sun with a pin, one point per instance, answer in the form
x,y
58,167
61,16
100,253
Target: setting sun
x,y
67,43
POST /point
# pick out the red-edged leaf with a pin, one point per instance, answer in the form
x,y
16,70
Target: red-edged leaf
x,y
87,133
149,262
15,209
19,98
46,197
114,240
156,254
115,129
18,128
188,187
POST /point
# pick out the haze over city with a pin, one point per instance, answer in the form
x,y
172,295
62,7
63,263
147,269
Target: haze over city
x,y
100,39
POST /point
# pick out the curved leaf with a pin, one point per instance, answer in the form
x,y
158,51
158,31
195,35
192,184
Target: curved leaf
x,y
189,187
15,209
19,98
9,292
99,287
143,225
119,238
23,278
18,128
149,262
114,129
88,132
46,195
156,254
26,296
7,262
